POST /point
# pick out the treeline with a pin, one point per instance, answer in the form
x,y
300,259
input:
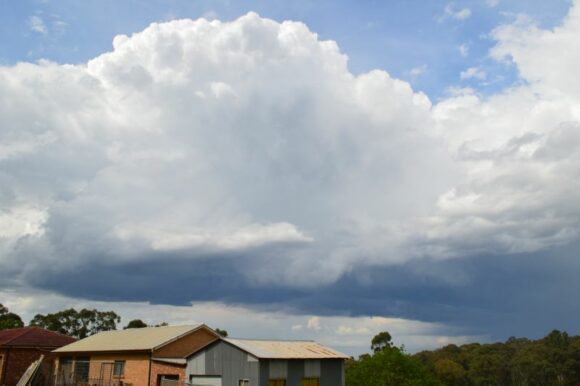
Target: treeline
x,y
551,361
78,324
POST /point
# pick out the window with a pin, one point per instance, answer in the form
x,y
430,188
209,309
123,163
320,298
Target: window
x,y
310,382
65,370
82,365
119,368
244,382
167,380
277,382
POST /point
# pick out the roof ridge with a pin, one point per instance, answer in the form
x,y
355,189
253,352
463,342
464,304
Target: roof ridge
x,y
274,340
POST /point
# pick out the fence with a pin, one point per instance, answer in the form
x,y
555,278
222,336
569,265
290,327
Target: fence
x,y
84,372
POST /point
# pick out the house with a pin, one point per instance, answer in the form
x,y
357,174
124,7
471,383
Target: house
x,y
241,362
19,347
136,357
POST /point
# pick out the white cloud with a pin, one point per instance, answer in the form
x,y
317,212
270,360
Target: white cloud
x,y
37,25
418,71
519,148
492,3
22,221
473,73
544,57
451,11
464,50
253,235
314,323
351,335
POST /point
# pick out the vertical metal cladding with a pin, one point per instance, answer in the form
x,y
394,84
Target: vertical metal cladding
x,y
332,372
222,359
295,372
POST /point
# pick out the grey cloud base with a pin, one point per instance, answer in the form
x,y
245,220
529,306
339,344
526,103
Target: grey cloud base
x,y
492,296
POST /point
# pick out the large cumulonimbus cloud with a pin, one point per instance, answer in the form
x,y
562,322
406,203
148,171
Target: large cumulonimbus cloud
x,y
195,138
252,141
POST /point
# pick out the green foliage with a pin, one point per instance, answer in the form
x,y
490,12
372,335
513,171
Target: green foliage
x,y
78,324
381,341
390,366
387,365
222,333
551,361
9,319
135,323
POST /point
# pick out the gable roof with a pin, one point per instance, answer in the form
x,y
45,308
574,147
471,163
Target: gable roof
x,y
33,337
133,339
285,349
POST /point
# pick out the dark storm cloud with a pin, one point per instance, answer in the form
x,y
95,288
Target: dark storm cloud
x,y
527,294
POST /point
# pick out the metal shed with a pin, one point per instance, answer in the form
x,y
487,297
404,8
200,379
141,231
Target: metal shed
x,y
243,362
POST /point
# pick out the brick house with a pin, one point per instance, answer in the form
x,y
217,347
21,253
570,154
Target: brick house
x,y
137,357
19,347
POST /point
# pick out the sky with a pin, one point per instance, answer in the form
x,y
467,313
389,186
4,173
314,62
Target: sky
x,y
301,170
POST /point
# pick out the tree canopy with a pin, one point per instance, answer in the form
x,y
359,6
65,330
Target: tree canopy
x,y
388,365
9,319
381,341
222,333
135,323
78,324
552,360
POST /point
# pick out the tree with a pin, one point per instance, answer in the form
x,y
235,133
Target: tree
x,y
135,323
450,372
9,319
78,324
381,341
390,366
222,333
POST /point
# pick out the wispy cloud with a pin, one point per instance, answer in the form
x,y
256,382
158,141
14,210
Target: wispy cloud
x,y
37,25
451,11
492,3
473,73
464,50
418,71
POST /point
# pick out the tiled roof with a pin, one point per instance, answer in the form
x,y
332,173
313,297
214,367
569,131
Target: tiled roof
x,y
33,337
283,349
133,339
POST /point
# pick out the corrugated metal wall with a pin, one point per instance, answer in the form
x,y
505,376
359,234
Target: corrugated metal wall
x,y
330,371
225,360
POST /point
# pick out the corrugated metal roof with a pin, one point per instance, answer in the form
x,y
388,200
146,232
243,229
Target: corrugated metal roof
x,y
280,349
133,339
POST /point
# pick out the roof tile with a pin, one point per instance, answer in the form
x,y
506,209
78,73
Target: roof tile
x,y
33,337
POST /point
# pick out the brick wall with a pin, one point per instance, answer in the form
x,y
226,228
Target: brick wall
x,y
160,368
186,345
2,358
16,361
136,370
